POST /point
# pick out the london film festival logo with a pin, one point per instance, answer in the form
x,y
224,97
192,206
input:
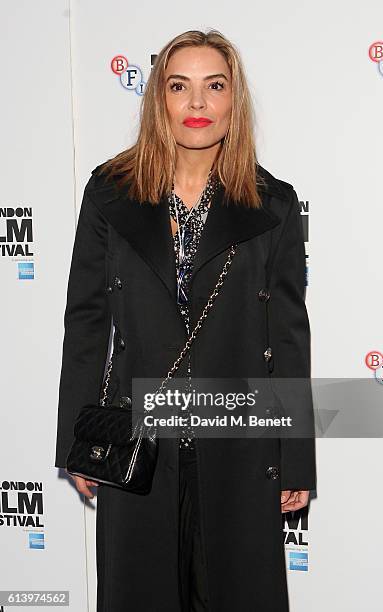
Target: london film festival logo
x,y
375,53
295,532
16,237
21,504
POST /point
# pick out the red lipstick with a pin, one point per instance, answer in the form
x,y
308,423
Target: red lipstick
x,y
197,122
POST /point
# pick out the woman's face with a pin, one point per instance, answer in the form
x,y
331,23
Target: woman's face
x,y
198,86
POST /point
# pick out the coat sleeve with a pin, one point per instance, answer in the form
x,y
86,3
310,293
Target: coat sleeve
x,y
87,323
290,341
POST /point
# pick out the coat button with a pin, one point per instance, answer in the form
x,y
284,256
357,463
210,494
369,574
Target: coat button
x,y
118,283
268,354
272,472
264,295
125,402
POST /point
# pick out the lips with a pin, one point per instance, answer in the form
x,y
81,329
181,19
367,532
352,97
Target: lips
x,y
197,121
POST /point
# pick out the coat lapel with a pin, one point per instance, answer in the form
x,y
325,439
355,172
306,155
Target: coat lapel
x,y
147,228
227,224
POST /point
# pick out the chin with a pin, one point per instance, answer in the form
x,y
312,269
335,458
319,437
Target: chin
x,y
198,143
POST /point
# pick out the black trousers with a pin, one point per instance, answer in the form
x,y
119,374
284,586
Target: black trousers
x,y
192,563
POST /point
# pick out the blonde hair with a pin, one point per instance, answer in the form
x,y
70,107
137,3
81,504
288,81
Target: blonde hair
x,y
148,166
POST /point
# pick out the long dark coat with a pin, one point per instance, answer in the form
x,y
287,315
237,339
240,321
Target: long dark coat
x,y
123,266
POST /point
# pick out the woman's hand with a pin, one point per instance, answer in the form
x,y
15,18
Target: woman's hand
x,y
294,500
82,485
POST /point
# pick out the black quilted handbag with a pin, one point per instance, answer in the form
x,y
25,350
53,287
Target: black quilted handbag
x,y
107,448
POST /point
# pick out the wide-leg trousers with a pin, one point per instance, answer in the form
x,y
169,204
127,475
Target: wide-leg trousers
x,y
192,559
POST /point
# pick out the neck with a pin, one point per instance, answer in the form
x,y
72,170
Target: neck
x,y
193,166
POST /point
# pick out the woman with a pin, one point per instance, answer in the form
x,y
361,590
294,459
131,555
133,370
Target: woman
x,y
155,227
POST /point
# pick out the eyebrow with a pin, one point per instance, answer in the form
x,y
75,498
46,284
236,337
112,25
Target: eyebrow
x,y
206,78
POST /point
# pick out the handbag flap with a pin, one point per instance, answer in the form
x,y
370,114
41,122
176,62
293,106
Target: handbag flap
x,y
104,424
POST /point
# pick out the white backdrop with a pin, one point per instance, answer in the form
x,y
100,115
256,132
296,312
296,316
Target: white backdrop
x,y
37,172
318,99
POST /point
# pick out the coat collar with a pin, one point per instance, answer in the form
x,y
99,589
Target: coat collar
x,y
147,228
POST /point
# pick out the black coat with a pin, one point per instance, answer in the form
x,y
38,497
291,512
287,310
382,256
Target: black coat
x,y
137,535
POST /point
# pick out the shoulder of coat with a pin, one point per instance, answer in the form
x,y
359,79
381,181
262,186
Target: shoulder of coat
x,y
272,185
98,168
99,188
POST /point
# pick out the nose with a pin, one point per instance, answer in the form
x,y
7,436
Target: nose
x,y
197,98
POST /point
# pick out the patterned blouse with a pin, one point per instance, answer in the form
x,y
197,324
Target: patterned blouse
x,y
195,222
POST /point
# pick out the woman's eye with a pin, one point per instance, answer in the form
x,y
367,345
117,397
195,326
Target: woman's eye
x,y
173,85
177,86
218,83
